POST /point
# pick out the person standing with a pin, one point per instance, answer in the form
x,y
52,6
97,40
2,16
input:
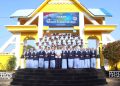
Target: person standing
x,y
64,57
52,58
93,58
41,55
76,58
26,54
58,57
30,55
46,59
87,58
70,58
35,59
82,59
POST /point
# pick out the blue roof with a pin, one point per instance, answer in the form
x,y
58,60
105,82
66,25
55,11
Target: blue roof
x,y
26,12
100,12
22,13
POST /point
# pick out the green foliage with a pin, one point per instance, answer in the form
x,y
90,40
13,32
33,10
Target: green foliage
x,y
11,64
29,47
112,52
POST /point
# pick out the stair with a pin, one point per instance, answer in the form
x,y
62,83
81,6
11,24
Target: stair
x,y
59,77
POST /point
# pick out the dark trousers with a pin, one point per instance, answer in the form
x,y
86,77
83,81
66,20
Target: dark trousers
x,y
58,63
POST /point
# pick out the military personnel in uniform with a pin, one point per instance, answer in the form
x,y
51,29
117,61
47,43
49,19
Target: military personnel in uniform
x,y
82,60
76,58
29,60
46,59
87,58
52,58
69,41
64,57
58,57
93,58
35,59
70,58
41,55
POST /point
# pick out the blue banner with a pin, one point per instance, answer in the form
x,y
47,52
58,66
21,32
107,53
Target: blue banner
x,y
61,19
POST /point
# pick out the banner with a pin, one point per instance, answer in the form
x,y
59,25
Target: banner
x,y
61,19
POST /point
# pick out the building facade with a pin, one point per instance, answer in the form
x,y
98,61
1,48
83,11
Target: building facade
x,y
76,19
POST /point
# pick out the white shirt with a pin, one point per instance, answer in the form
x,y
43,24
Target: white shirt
x,y
59,42
58,52
69,41
76,38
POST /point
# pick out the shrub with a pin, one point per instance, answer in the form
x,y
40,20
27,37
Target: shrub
x,y
11,64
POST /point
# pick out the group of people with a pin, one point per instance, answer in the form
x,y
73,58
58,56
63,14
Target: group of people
x,y
61,57
60,39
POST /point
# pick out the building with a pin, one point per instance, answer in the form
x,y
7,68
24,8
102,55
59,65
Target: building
x,y
34,23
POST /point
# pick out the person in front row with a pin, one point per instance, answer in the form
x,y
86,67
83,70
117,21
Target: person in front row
x,y
71,54
64,56
41,55
29,59
87,58
46,59
93,58
35,59
81,59
76,58
58,57
52,58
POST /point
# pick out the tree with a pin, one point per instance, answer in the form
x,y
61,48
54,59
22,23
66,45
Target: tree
x,y
112,52
11,63
29,47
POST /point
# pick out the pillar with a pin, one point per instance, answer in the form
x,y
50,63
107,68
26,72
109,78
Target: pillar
x,y
81,26
22,60
17,50
40,25
101,56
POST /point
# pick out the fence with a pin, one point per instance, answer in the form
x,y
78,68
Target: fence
x,y
6,75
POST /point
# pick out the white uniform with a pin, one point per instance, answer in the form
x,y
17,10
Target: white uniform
x,y
93,60
59,42
58,52
69,42
52,37
64,42
79,42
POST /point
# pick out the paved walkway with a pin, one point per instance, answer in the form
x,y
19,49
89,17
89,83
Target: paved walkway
x,y
111,82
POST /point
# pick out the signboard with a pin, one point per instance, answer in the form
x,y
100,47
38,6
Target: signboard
x,y
61,19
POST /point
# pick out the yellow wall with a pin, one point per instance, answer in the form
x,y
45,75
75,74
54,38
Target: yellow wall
x,y
4,58
97,36
61,7
119,65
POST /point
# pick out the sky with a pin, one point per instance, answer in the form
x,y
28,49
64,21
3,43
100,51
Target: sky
x,y
7,7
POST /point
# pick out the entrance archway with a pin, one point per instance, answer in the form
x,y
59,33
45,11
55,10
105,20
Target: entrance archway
x,y
29,42
93,42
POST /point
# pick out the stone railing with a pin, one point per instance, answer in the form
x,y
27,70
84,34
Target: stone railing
x,y
6,75
114,74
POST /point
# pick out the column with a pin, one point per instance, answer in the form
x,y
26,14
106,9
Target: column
x,y
17,50
40,26
22,60
101,56
81,26
98,53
